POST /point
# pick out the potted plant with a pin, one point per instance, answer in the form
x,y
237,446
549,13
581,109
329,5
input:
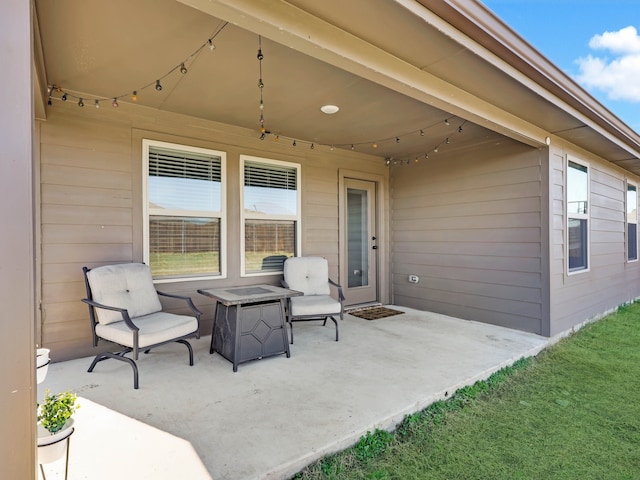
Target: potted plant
x,y
42,363
55,424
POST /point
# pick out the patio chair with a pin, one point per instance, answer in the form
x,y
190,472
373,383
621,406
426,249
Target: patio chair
x,y
124,308
310,275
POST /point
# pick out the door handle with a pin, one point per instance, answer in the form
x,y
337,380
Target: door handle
x,y
375,247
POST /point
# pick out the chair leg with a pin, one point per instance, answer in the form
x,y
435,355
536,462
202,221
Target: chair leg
x,y
291,328
184,342
334,321
117,356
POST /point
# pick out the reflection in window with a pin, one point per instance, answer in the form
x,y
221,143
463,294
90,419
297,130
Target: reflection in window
x,y
632,222
271,214
183,210
578,216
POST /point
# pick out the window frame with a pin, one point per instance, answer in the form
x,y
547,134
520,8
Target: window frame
x,y
244,215
147,212
628,184
578,216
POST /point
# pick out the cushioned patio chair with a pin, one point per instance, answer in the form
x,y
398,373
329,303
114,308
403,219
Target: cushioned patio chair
x,y
310,275
124,308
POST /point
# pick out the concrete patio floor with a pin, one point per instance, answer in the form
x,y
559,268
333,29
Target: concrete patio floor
x,y
276,415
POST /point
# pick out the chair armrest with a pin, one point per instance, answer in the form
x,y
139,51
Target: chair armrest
x,y
123,312
339,287
187,299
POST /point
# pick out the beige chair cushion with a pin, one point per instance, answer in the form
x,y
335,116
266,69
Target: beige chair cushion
x,y
309,275
319,305
128,285
154,328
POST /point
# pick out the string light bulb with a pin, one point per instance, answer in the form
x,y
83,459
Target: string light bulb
x,y
158,86
183,69
446,122
397,139
97,104
63,97
134,96
80,103
211,45
293,144
460,129
115,103
312,146
448,142
375,145
421,133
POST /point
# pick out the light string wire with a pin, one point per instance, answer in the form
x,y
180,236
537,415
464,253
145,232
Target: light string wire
x,y
182,66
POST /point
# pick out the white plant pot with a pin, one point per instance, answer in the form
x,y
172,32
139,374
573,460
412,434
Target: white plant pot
x,y
42,363
52,446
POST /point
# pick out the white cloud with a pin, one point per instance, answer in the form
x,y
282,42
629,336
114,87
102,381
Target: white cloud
x,y
618,76
624,41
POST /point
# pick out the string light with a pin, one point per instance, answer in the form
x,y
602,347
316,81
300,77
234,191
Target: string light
x,y
260,57
64,95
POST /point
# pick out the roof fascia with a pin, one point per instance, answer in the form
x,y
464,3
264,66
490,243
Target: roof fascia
x,y
479,30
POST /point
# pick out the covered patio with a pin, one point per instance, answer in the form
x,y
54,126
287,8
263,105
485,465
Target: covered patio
x,y
277,415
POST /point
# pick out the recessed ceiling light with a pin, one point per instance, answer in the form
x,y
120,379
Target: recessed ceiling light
x,y
329,109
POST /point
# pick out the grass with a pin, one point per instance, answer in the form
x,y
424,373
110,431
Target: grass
x,y
572,412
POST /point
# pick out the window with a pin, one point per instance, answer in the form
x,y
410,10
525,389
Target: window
x,y
184,211
270,214
578,216
632,222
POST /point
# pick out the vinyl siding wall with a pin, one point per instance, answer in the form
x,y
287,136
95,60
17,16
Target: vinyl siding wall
x,y
611,280
91,204
470,224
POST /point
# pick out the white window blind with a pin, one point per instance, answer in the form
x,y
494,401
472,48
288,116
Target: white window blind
x,y
184,211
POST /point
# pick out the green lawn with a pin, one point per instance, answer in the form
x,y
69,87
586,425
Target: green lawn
x,y
573,412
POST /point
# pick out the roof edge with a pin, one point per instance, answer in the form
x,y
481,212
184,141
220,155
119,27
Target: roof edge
x,y
478,22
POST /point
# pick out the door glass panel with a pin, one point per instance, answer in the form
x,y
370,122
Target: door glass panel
x,y
357,238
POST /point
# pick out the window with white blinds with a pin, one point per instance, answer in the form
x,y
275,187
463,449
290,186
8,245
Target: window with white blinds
x,y
184,214
270,214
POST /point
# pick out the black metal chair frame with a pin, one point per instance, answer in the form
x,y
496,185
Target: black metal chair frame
x,y
305,318
127,319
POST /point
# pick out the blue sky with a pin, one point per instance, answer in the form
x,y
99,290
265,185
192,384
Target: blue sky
x,y
596,42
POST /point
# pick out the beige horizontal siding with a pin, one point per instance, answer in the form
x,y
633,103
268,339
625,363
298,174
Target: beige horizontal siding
x,y
469,224
610,279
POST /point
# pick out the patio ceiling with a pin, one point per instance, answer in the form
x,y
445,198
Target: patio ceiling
x,y
391,67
